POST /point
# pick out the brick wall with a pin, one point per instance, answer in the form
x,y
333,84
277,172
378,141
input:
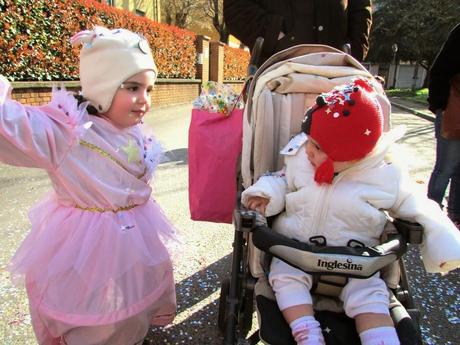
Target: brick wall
x,y
216,61
164,94
202,65
32,96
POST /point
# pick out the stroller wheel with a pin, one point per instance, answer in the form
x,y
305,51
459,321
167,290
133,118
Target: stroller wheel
x,y
224,291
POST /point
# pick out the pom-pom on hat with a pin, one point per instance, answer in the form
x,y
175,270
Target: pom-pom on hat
x,y
107,59
346,123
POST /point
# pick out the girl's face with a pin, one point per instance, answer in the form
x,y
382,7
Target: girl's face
x,y
132,100
314,153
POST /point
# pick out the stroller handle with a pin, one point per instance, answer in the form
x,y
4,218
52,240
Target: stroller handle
x,y
347,48
255,56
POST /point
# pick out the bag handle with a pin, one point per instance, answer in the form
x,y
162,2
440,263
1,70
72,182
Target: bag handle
x,y
240,96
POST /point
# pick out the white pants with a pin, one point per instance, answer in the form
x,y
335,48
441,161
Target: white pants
x,y
292,287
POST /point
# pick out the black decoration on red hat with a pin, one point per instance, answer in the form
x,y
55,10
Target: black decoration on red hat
x,y
320,101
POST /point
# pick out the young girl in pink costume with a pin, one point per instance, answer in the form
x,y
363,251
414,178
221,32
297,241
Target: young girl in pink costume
x,y
96,263
337,183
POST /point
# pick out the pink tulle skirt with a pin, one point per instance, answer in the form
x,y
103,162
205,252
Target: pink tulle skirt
x,y
86,268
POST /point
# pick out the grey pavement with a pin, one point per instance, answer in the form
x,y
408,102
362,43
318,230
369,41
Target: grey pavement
x,y
414,107
417,147
436,296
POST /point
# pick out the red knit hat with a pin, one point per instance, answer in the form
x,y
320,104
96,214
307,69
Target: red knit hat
x,y
346,123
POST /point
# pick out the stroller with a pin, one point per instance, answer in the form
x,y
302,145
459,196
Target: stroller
x,y
286,84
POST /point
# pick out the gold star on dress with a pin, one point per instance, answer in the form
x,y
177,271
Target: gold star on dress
x,y
131,150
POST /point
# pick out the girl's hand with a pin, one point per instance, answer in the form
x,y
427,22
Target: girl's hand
x,y
7,91
257,203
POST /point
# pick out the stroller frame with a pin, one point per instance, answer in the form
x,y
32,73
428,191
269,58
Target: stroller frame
x,y
236,302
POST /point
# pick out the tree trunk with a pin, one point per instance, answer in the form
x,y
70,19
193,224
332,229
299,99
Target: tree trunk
x,y
218,21
223,35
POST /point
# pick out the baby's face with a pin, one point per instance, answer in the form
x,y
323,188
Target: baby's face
x,y
315,155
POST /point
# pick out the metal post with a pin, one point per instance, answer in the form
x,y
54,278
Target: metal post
x,y
394,49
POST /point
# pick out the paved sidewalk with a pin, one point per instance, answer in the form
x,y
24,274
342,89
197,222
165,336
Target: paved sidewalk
x,y
416,108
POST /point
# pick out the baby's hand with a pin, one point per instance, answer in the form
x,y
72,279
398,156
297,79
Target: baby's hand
x,y
257,203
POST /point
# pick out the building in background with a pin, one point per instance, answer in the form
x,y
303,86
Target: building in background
x,y
234,42
144,8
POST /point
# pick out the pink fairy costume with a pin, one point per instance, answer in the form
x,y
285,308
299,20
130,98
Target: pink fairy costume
x,y
98,252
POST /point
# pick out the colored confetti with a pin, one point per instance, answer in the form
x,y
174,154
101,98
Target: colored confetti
x,y
217,98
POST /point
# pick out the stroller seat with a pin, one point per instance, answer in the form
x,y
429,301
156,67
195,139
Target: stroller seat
x,y
252,287
338,329
273,328
277,98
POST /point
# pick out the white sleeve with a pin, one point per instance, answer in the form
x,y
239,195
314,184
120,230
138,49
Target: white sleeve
x,y
272,187
441,240
275,186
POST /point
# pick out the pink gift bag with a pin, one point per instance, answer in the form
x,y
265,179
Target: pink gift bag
x,y
214,145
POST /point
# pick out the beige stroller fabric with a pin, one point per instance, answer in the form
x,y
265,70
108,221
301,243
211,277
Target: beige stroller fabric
x,y
282,94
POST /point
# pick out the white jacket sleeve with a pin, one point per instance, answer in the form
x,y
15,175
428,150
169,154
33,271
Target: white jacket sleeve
x,y
272,187
440,249
38,137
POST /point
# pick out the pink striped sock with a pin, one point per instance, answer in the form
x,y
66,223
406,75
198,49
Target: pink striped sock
x,y
307,331
379,336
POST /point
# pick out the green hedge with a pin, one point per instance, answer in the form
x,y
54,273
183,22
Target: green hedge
x,y
34,40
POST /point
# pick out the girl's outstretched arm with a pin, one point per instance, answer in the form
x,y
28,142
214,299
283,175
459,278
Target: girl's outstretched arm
x,y
38,137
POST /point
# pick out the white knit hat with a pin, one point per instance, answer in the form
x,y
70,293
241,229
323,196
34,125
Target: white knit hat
x,y
107,59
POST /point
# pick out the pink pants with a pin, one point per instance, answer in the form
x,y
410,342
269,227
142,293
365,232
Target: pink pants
x,y
127,332
130,331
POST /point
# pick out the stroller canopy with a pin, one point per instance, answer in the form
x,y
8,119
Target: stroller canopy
x,y
281,91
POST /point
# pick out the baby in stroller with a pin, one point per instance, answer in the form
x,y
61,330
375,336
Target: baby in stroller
x,y
336,185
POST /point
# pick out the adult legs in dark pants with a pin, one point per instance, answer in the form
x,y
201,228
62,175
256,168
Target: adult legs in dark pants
x,y
453,204
447,167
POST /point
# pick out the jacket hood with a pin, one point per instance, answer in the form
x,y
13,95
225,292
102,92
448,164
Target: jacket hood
x,y
382,148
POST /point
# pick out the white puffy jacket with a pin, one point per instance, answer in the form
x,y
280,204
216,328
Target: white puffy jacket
x,y
353,206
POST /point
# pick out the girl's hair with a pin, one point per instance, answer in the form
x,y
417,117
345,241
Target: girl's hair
x,y
89,108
